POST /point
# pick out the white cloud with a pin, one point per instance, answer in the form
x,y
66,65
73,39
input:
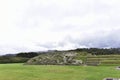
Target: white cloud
x,y
33,25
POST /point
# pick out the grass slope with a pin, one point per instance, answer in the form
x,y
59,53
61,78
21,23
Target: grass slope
x,y
53,72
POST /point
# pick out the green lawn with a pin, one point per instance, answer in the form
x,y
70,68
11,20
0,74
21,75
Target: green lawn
x,y
50,72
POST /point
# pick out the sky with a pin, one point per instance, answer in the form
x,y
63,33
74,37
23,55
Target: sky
x,y
40,25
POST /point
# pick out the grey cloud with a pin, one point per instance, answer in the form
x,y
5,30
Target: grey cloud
x,y
47,45
111,40
101,41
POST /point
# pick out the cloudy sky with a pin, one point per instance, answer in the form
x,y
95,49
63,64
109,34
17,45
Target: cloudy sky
x,y
38,25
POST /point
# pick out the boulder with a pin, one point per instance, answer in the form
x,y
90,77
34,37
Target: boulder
x,y
111,79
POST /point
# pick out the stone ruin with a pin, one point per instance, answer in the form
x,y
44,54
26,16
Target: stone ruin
x,y
55,59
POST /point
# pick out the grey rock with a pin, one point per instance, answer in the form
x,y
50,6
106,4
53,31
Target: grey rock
x,y
55,59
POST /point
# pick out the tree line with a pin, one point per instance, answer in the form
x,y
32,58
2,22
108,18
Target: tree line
x,y
100,51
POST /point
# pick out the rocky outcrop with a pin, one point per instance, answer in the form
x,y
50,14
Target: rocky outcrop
x,y
55,59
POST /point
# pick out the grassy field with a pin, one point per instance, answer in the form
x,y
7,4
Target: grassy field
x,y
52,72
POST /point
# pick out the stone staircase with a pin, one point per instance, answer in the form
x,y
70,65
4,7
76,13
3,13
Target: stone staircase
x,y
90,62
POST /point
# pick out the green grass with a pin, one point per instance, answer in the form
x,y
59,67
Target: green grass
x,y
53,72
